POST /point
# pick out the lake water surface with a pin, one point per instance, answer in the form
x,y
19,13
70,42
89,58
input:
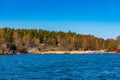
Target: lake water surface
x,y
60,67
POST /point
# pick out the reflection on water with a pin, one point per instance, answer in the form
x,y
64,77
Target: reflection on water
x,y
60,67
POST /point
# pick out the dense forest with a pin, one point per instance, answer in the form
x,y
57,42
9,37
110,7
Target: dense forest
x,y
21,40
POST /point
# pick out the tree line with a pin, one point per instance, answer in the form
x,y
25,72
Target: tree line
x,y
24,39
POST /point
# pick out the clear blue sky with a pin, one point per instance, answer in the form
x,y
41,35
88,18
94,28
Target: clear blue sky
x,y
96,17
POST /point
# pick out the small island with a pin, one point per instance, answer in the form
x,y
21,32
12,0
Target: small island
x,y
38,41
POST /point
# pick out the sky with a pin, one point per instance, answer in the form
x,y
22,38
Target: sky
x,y
100,18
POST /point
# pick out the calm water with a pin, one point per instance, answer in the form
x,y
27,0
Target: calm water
x,y
60,67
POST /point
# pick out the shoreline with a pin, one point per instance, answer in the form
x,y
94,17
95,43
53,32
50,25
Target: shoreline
x,y
49,52
72,52
63,52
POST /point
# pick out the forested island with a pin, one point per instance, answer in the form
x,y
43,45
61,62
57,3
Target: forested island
x,y
38,40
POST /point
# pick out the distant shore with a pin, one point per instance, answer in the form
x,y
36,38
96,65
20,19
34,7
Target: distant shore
x,y
60,52
71,52
63,52
20,41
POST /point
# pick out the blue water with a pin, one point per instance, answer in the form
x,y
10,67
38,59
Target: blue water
x,y
60,67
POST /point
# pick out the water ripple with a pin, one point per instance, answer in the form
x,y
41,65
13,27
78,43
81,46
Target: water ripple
x,y
60,67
